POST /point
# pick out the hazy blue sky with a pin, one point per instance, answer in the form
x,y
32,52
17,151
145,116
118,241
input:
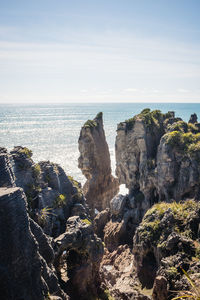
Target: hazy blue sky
x,y
105,50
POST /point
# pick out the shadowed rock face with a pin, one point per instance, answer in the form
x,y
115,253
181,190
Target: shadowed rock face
x,y
193,119
24,272
94,162
7,177
82,251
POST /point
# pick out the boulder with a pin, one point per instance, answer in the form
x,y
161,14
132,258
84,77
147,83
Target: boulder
x,y
117,204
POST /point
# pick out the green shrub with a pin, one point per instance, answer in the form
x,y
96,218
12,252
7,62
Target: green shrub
x,y
76,184
36,170
26,151
145,111
193,128
130,123
183,141
90,124
86,221
179,126
60,201
44,214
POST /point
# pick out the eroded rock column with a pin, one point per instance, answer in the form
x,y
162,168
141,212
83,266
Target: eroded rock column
x,y
94,162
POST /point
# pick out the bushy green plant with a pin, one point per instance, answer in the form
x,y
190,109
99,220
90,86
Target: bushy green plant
x,y
90,124
36,170
86,221
151,230
130,123
76,184
60,201
44,214
26,151
183,141
179,126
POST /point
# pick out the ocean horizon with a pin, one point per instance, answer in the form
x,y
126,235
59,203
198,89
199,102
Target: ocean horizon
x,y
51,131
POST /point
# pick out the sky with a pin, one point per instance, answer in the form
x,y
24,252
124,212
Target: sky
x,y
99,51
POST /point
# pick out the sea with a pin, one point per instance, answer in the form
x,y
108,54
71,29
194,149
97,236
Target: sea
x,y
52,131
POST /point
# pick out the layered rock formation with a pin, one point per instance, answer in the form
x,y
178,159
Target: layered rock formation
x,y
24,271
94,162
168,238
48,248
52,198
7,177
52,195
157,155
82,251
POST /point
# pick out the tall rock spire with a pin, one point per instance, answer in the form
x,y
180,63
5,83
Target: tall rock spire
x,y
94,162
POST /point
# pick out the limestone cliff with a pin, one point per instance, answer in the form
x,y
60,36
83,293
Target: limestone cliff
x,y
94,162
157,154
25,273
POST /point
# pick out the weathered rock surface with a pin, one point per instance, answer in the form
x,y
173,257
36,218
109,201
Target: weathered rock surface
x,y
160,288
100,221
24,272
167,238
118,274
158,155
82,251
52,195
94,162
125,215
7,177
193,119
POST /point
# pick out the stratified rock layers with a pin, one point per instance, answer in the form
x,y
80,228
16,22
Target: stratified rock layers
x,y
158,155
24,272
94,162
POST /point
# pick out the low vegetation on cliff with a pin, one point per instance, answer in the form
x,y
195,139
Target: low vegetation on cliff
x,y
150,118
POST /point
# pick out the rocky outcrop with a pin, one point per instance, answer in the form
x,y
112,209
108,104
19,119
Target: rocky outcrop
x,y
7,177
193,119
125,215
81,250
157,155
167,238
136,148
100,221
24,272
94,162
178,170
52,195
118,275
